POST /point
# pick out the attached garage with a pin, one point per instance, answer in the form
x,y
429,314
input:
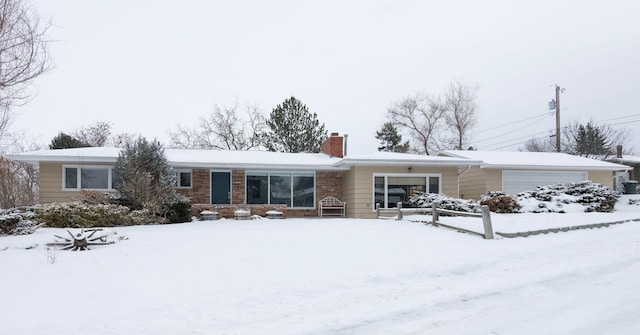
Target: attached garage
x,y
517,171
518,181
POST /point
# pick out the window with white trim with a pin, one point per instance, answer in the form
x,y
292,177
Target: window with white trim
x,y
87,178
294,189
184,178
389,189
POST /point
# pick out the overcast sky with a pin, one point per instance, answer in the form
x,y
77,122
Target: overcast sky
x,y
147,66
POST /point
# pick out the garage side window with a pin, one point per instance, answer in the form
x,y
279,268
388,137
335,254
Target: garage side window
x,y
390,189
87,177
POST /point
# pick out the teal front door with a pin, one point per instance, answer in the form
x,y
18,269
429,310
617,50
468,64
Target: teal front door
x,y
221,188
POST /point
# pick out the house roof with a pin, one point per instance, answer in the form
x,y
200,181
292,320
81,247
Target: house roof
x,y
534,160
194,158
394,158
626,159
191,158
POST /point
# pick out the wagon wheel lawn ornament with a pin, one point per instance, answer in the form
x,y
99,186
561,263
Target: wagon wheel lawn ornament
x,y
80,241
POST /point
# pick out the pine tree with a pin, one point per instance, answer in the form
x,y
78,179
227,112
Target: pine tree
x,y
590,141
390,140
292,128
143,175
64,141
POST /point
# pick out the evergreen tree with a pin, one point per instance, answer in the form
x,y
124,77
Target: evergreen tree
x,y
64,141
590,141
292,128
390,140
143,175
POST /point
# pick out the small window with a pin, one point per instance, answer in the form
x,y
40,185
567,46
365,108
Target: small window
x,y
183,178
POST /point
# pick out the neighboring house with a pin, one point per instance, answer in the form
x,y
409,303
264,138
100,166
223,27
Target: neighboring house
x,y
513,172
632,161
257,180
631,175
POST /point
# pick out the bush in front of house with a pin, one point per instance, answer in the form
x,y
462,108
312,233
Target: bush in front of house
x,y
17,221
560,198
177,209
499,202
426,200
79,215
144,180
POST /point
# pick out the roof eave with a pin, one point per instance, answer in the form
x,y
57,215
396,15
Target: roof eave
x,y
377,162
555,167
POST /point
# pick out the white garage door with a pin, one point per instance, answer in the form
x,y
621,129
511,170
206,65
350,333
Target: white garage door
x,y
519,181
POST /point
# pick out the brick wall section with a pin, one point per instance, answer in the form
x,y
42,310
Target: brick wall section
x,y
199,192
327,184
237,187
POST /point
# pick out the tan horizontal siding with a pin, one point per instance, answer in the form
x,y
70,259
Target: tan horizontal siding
x,y
472,183
50,184
602,177
358,186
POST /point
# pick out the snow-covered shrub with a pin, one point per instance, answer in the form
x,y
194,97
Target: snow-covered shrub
x,y
178,209
143,176
446,202
79,215
634,201
94,197
591,197
499,202
17,222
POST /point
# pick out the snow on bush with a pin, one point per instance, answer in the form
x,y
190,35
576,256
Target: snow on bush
x,y
446,202
81,215
560,198
570,197
17,222
499,202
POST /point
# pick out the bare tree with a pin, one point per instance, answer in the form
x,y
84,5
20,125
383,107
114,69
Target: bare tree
x,y
460,112
23,54
223,129
18,180
96,135
421,116
122,139
542,144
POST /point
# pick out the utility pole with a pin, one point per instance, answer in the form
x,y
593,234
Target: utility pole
x,y
557,105
557,118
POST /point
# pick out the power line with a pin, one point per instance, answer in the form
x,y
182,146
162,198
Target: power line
x,y
531,138
512,123
510,132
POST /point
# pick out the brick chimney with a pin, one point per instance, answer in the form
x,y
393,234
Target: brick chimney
x,y
619,151
333,145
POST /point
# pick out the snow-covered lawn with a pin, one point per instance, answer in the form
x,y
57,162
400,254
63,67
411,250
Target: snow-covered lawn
x,y
334,276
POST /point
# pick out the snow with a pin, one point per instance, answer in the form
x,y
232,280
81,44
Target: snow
x,y
330,276
506,159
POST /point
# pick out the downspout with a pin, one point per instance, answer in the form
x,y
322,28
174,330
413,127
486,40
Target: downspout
x,y
459,174
344,151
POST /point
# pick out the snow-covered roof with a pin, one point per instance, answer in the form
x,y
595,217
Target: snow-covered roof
x,y
534,160
394,158
194,158
626,159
